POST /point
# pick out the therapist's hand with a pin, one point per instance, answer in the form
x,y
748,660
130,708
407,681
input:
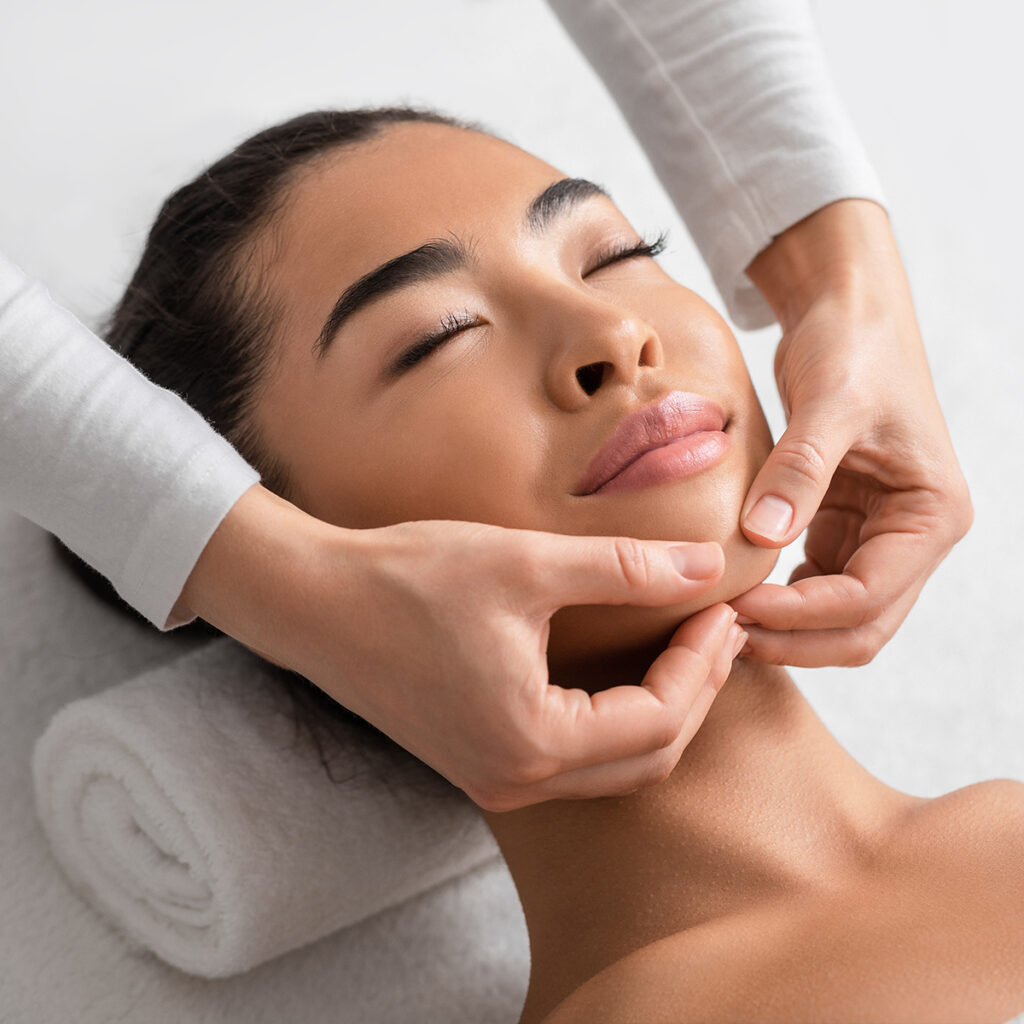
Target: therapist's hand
x,y
436,633
865,441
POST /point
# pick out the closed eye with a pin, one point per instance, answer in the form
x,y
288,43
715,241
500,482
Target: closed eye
x,y
451,324
628,251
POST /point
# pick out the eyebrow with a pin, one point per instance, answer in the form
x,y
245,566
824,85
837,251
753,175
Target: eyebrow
x,y
442,256
432,259
557,199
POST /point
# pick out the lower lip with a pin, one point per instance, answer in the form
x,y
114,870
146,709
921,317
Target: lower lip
x,y
676,460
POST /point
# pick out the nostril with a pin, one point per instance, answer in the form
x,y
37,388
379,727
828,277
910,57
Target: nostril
x,y
590,376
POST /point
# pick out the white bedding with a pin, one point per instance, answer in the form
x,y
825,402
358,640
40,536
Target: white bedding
x,y
456,954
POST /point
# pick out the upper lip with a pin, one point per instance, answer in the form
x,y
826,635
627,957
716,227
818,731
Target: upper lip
x,y
678,414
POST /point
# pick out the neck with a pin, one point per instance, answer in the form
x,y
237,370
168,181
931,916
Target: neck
x,y
763,804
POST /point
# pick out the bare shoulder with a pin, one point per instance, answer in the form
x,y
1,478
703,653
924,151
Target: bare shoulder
x,y
969,846
982,822
1005,796
933,931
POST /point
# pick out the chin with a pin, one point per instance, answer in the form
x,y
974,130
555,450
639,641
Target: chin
x,y
603,641
587,635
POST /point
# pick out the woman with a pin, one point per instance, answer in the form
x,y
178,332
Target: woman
x,y
733,105
420,321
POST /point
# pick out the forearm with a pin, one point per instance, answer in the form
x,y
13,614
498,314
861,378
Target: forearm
x,y
733,105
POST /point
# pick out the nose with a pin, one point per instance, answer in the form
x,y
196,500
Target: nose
x,y
597,344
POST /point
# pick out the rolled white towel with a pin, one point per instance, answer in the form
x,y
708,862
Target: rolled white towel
x,y
186,806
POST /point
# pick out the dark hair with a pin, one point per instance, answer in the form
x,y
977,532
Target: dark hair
x,y
194,321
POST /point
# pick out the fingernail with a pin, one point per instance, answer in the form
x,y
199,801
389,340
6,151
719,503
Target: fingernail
x,y
739,641
697,561
770,517
745,651
746,620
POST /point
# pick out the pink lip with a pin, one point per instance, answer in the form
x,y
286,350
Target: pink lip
x,y
677,436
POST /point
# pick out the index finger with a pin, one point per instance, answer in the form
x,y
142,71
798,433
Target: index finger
x,y
882,571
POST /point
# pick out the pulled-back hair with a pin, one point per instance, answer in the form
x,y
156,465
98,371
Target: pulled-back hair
x,y
193,318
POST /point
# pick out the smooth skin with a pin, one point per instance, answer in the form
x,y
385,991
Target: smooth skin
x,y
313,596
365,481
769,877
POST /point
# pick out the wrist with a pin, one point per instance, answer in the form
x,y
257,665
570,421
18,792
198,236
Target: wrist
x,y
838,250
259,564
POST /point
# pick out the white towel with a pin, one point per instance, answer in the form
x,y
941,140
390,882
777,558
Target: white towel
x,y
185,806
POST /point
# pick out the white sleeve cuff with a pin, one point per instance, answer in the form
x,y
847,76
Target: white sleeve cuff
x,y
734,108
128,475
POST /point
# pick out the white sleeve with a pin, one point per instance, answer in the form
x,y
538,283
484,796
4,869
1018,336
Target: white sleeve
x,y
125,473
733,105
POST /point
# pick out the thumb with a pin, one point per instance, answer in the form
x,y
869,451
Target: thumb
x,y
787,491
621,570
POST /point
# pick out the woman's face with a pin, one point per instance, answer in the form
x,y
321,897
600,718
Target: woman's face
x,y
483,375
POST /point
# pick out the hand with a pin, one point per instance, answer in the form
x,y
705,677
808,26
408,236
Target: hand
x,y
436,633
865,441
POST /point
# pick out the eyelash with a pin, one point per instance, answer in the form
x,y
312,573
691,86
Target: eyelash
x,y
645,247
453,323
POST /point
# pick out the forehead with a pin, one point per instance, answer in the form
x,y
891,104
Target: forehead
x,y
360,205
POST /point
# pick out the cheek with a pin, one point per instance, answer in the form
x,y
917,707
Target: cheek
x,y
464,453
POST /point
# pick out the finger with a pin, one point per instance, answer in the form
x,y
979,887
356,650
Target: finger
x,y
806,569
620,778
833,536
735,642
562,570
627,721
881,571
790,486
817,647
816,602
668,675
627,775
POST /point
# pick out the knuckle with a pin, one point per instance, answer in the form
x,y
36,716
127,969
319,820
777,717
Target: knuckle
x,y
507,784
530,771
865,606
953,510
804,458
530,764
868,642
493,799
530,567
871,611
633,562
660,768
963,519
666,736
